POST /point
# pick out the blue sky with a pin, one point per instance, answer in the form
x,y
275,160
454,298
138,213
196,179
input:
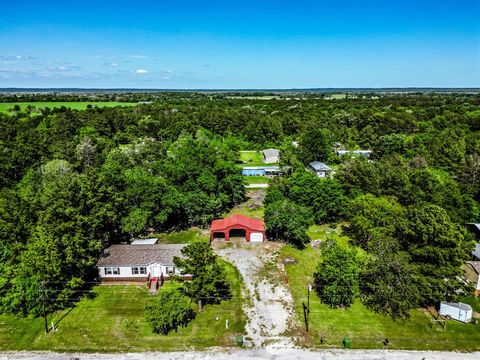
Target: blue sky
x,y
240,44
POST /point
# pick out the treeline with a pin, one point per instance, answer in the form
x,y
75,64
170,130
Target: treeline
x,y
73,182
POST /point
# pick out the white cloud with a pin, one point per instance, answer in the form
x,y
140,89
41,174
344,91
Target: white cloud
x,y
141,71
113,64
137,56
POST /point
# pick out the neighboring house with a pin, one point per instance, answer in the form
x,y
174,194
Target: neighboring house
x,y
253,230
320,169
271,156
475,228
472,270
139,263
365,153
261,171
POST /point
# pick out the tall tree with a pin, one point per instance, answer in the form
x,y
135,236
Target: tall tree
x,y
208,284
288,221
316,145
336,278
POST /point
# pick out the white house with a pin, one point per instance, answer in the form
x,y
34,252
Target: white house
x,y
320,169
271,156
472,270
139,263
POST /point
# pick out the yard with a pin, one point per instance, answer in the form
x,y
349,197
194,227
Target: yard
x,y
182,237
5,107
252,158
257,179
365,328
113,321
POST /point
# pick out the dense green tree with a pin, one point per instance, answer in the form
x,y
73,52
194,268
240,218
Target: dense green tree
x,y
208,284
316,145
370,216
168,311
387,280
438,248
289,222
336,278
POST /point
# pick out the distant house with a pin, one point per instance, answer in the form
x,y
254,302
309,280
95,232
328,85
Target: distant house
x,y
139,263
320,169
253,230
261,170
271,156
365,153
472,271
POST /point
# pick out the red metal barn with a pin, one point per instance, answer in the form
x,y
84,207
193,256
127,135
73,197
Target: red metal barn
x,y
238,225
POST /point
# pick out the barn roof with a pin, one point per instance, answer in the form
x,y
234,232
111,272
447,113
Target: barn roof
x,y
237,220
130,255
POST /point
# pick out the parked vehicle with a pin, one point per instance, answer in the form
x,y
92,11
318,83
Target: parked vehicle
x,y
458,311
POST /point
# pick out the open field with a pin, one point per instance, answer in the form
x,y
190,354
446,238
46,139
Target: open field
x,y
252,158
113,321
5,107
365,328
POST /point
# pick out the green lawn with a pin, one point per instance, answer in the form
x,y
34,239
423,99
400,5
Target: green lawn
x,y
252,158
180,237
5,107
257,179
113,321
365,328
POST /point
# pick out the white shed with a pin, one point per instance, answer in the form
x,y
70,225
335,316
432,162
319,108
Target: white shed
x,y
458,311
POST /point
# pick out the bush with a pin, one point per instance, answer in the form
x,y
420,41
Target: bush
x,y
169,310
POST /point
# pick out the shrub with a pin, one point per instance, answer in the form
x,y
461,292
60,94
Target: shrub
x,y
169,310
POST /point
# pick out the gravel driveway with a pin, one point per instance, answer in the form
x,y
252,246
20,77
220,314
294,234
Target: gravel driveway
x,y
271,307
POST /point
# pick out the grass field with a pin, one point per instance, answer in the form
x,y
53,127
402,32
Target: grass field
x,y
5,107
113,321
181,237
253,213
252,158
365,328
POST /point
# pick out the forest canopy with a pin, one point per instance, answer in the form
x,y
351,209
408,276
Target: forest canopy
x,y
73,182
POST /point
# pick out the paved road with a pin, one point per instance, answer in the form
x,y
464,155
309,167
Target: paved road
x,y
270,353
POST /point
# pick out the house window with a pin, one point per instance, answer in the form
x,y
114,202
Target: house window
x,y
136,270
170,270
112,271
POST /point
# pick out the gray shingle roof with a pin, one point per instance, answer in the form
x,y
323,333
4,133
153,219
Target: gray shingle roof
x,y
271,153
319,166
129,255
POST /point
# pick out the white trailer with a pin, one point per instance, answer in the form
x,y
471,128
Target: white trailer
x,y
458,311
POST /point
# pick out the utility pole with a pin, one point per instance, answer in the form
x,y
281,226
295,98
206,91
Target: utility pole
x,y
42,290
308,301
